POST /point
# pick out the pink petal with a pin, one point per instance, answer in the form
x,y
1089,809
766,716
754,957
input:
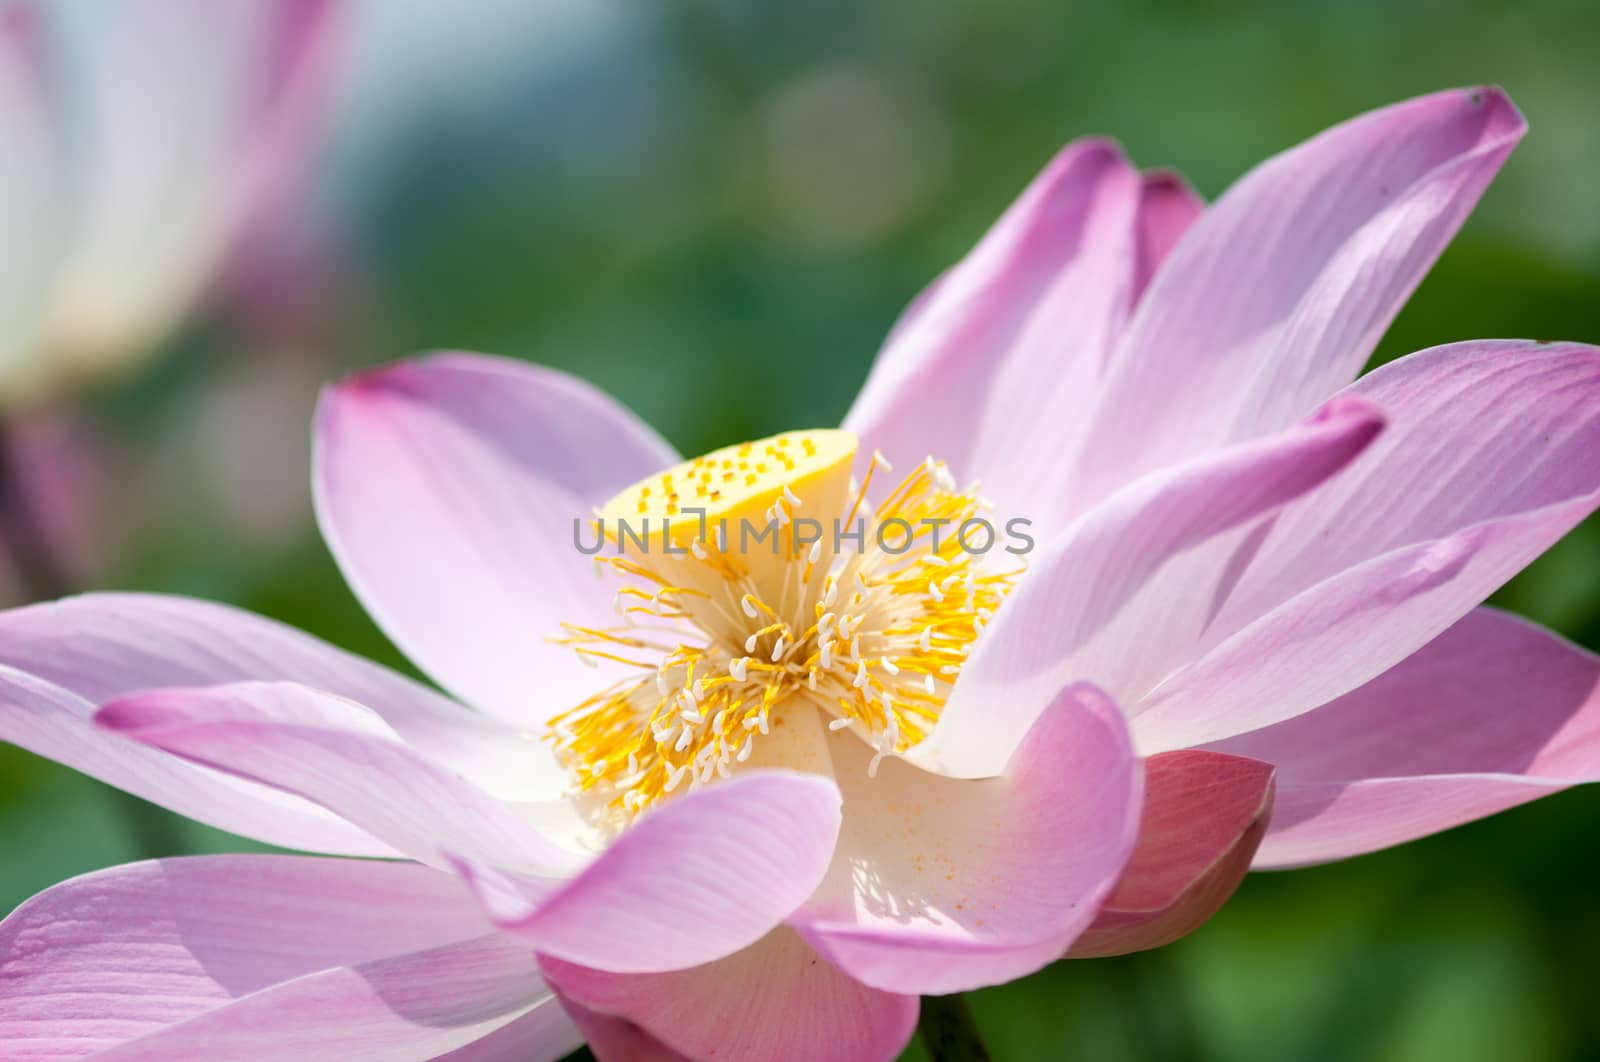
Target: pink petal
x,y
618,1039
122,953
343,757
294,93
50,721
102,646
1493,713
489,465
703,876
1493,453
772,1000
1281,291
700,877
1168,208
1204,814
544,1034
1003,356
409,1008
943,885
1119,597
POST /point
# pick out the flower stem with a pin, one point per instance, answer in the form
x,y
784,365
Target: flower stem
x,y
23,536
42,576
948,1032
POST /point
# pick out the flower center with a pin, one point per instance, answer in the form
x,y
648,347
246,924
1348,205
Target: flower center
x,y
760,580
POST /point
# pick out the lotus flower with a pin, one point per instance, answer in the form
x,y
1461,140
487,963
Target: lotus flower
x,y
136,163
746,804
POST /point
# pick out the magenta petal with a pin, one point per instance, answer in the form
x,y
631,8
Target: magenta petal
x,y
1004,354
1493,713
1280,292
698,878
773,1000
1491,455
1168,208
1121,595
103,646
123,953
943,885
489,465
49,721
343,757
1204,815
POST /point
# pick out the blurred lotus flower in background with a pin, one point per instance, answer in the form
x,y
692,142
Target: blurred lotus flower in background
x,y
778,801
145,172
145,144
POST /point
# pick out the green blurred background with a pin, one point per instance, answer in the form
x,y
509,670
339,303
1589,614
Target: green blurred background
x,y
714,211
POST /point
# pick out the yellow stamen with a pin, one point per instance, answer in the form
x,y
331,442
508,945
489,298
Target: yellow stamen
x,y
882,632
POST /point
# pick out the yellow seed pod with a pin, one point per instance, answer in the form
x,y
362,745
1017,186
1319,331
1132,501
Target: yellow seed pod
x,y
753,483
